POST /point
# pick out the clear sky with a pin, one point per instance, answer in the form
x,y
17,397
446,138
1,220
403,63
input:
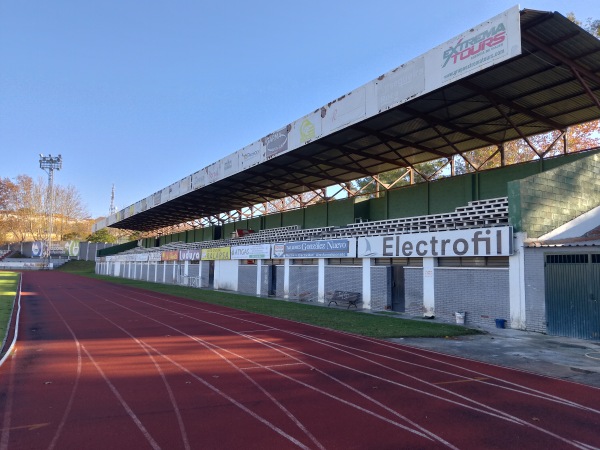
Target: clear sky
x,y
143,93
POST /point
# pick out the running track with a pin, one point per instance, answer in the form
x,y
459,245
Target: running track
x,y
104,366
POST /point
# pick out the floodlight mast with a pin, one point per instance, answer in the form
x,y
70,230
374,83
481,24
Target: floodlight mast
x,y
49,164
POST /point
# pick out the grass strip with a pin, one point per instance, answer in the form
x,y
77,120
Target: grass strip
x,y
364,323
8,291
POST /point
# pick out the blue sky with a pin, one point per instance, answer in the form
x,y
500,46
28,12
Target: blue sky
x,y
143,93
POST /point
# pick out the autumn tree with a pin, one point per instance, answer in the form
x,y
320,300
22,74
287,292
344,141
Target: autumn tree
x,y
24,206
590,25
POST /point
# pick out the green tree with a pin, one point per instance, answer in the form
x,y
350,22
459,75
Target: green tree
x,y
103,235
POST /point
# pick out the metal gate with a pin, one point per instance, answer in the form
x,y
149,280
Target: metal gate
x,y
572,295
398,297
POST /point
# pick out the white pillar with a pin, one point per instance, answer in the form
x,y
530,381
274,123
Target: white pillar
x,y
286,278
429,286
516,282
366,283
321,280
259,265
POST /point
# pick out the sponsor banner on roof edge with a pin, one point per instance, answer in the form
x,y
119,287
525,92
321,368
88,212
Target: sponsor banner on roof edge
x,y
332,248
217,253
487,44
495,241
258,251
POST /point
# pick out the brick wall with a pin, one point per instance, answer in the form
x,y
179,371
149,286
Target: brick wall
x,y
381,296
482,293
413,290
535,296
247,279
303,282
343,278
540,203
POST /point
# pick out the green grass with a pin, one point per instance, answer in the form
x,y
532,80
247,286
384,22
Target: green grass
x,y
386,325
8,291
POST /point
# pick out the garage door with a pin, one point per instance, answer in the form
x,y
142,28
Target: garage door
x,y
572,295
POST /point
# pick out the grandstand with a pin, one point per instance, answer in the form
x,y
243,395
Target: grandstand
x,y
459,244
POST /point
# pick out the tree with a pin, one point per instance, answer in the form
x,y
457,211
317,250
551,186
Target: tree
x,y
102,235
590,25
427,171
24,206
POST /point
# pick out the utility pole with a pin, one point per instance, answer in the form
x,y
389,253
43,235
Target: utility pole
x,y
48,164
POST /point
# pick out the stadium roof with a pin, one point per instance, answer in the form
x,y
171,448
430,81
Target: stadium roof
x,y
552,84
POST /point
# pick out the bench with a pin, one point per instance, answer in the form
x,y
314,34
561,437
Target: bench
x,y
341,298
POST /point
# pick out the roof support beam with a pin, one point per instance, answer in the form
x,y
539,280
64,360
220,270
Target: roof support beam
x,y
435,121
496,99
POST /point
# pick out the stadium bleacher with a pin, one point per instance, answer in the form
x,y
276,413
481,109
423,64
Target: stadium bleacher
x,y
479,213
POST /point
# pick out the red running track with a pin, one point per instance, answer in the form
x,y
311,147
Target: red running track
x,y
103,366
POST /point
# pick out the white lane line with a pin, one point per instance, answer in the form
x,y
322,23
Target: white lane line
x,y
116,393
273,365
159,370
427,434
215,389
491,411
525,389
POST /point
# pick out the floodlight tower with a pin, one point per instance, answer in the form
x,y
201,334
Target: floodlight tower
x,y
48,164
113,208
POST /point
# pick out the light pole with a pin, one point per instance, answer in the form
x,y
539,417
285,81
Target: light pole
x,y
48,164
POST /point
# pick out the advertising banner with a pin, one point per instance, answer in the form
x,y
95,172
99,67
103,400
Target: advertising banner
x,y
332,248
344,111
185,185
199,179
230,165
214,172
472,242
37,249
251,155
189,255
258,251
305,129
169,255
401,85
277,143
164,195
217,253
154,256
72,248
482,46
174,191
